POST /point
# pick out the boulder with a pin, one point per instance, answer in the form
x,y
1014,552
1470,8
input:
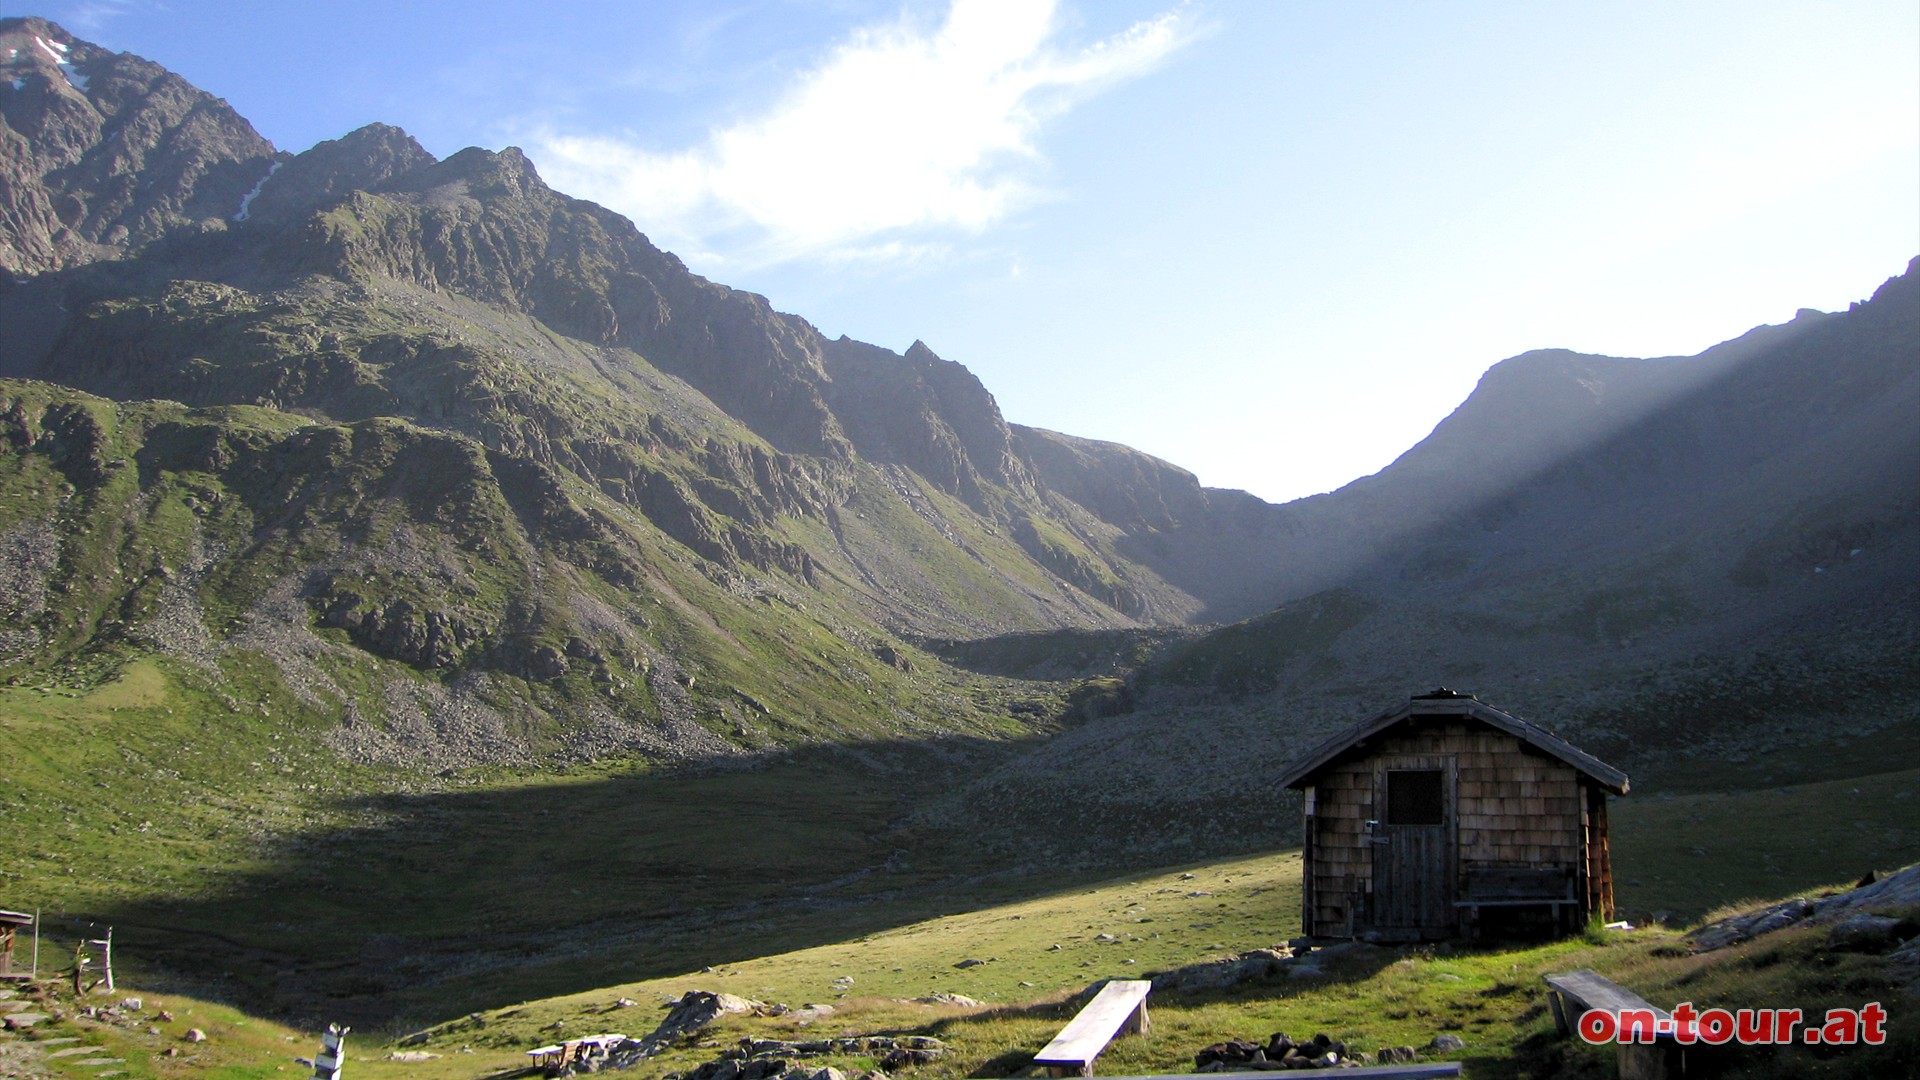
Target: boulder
x,y
692,1011
949,999
1863,932
904,1057
1229,1053
1903,964
1899,890
1738,928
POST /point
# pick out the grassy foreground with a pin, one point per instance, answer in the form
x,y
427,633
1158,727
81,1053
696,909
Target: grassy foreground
x,y
214,828
1037,954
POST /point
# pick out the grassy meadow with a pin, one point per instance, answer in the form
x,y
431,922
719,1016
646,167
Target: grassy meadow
x,y
1038,953
473,914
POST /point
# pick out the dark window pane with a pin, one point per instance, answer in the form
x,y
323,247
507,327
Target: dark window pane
x,y
1414,797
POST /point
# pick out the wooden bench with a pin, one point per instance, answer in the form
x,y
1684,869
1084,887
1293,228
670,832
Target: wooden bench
x,y
1120,1003
1572,994
1551,887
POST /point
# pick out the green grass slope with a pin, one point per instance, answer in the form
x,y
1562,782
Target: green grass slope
x,y
1025,960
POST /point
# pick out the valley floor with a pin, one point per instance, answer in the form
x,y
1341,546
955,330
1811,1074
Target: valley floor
x,y
1024,962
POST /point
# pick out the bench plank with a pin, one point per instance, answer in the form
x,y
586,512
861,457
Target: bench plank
x,y
1122,1002
1591,990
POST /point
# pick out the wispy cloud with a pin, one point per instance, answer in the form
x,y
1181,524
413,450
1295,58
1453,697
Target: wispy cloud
x,y
903,134
90,18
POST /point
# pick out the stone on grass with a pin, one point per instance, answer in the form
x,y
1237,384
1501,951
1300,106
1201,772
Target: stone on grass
x,y
1738,928
1862,932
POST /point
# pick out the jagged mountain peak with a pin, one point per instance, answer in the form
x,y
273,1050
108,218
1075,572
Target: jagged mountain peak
x,y
32,42
365,159
506,172
102,152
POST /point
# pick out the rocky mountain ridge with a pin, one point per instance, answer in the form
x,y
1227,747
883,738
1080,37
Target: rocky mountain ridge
x,y
434,414
640,428
106,152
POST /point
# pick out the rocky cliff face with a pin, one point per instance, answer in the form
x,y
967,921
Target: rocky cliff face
x,y
104,152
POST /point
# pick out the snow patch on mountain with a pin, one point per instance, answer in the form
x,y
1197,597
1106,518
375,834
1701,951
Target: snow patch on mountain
x,y
246,201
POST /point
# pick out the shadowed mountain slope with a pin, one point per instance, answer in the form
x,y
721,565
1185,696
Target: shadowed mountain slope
x,y
1705,570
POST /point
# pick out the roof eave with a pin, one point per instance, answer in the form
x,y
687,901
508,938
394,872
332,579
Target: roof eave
x,y
1608,777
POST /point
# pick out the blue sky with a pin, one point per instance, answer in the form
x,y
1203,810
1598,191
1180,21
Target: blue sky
x,y
1272,242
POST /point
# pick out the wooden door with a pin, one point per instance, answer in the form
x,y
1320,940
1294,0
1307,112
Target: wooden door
x,y
1412,843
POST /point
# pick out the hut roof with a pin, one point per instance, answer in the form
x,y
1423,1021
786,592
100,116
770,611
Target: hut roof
x,y
1446,703
16,918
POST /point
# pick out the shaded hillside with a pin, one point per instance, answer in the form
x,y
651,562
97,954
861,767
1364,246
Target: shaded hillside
x,y
1706,570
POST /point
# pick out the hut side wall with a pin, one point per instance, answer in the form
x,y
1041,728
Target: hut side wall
x,y
1516,806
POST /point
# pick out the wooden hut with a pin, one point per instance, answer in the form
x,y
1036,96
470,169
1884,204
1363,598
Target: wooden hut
x,y
1445,817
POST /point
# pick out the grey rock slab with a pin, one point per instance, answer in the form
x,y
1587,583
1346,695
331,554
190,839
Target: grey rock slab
x,y
1863,932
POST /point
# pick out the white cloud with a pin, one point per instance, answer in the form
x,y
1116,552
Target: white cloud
x,y
900,132
89,18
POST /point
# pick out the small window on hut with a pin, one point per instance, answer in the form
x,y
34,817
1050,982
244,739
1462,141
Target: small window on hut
x,y
1414,797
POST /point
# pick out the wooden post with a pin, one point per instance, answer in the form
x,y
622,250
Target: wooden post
x,y
36,944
